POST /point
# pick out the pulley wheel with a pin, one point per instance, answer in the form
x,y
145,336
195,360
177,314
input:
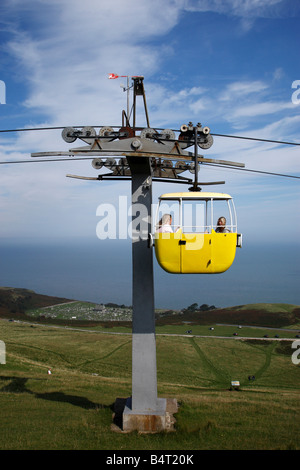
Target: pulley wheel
x,y
180,166
168,134
67,134
88,132
147,133
97,163
192,168
127,132
106,131
110,162
207,143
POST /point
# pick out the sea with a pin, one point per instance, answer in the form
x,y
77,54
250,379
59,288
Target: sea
x,y
101,272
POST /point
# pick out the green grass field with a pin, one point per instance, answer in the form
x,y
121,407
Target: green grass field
x,y
72,407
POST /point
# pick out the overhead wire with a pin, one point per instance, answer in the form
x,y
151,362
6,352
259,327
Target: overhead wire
x,y
283,142
203,163
252,171
257,139
210,164
48,160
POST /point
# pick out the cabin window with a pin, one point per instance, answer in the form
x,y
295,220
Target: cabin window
x,y
194,216
171,207
224,208
197,215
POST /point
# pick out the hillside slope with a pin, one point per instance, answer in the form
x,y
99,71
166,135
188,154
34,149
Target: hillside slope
x,y
15,301
268,315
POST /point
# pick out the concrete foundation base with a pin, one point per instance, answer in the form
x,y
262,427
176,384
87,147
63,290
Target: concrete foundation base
x,y
162,419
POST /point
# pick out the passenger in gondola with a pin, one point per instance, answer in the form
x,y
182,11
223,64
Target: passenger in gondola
x,y
164,225
221,226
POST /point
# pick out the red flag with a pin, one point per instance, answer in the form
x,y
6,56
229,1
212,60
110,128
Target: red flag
x,y
113,75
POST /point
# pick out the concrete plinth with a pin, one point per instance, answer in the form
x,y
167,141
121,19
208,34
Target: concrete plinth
x,y
145,420
161,419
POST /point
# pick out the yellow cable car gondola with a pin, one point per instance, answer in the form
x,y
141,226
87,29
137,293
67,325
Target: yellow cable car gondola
x,y
196,232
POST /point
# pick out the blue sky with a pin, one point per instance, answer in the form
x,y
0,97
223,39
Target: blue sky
x,y
229,64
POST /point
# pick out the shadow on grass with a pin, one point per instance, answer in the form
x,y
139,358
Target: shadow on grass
x,y
18,385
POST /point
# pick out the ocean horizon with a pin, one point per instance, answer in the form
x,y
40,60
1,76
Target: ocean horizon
x,y
101,272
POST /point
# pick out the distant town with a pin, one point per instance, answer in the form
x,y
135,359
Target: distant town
x,y
77,310
84,311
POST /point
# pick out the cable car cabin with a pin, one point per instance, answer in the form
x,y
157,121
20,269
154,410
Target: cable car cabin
x,y
196,232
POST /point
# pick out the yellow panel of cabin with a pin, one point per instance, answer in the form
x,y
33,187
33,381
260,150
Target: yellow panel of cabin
x,y
167,251
223,251
195,253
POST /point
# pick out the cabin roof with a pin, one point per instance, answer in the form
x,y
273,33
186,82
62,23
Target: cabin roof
x,y
195,195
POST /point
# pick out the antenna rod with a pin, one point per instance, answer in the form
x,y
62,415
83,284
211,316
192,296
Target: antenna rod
x,y
128,100
146,110
196,159
138,90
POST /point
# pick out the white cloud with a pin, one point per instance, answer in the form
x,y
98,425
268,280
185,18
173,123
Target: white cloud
x,y
65,57
247,11
240,8
260,109
242,89
130,21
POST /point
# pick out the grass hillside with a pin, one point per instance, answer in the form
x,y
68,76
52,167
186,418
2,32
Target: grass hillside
x,y
72,409
268,315
15,302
